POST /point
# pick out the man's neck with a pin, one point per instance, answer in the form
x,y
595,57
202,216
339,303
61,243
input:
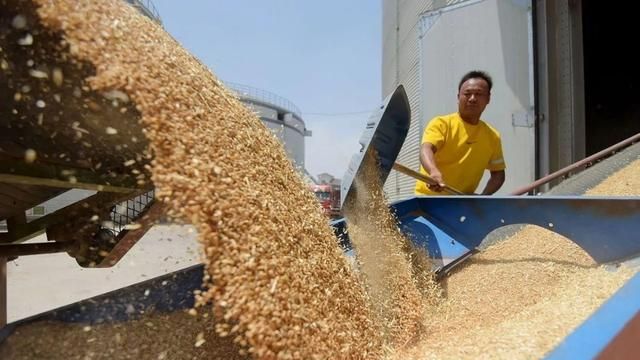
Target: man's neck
x,y
473,120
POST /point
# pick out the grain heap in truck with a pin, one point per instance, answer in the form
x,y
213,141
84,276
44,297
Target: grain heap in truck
x,y
520,297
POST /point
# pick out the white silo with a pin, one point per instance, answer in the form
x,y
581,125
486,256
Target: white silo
x,y
429,45
278,114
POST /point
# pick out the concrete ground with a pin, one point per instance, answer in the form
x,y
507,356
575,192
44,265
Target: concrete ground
x,y
39,283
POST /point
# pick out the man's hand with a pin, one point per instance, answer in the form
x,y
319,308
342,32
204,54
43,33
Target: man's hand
x,y
439,185
428,162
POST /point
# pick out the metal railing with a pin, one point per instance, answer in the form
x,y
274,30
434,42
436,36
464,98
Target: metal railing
x,y
577,166
126,213
251,93
147,8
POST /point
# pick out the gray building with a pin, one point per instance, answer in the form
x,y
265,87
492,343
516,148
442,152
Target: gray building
x,y
557,88
278,114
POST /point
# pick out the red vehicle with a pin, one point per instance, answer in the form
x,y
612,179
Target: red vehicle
x,y
329,198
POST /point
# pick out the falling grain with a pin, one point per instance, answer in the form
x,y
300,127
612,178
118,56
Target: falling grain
x,y
255,217
384,258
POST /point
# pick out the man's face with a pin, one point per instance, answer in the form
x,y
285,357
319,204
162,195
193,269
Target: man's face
x,y
473,97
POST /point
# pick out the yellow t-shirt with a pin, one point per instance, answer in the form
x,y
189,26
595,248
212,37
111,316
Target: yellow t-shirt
x,y
464,151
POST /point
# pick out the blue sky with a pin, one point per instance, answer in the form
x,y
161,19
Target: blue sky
x,y
324,56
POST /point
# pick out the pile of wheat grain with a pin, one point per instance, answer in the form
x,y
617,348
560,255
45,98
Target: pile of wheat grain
x,y
278,281
156,336
624,182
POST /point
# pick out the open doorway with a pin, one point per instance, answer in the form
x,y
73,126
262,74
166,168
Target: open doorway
x,y
611,75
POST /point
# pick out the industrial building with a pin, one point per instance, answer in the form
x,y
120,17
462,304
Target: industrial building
x,y
561,91
278,114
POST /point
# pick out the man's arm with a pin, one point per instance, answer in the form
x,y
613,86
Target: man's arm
x,y
427,159
494,183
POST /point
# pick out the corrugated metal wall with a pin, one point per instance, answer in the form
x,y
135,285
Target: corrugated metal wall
x,y
492,35
401,65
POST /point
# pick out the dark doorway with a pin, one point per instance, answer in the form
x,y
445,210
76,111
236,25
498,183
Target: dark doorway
x,y
611,73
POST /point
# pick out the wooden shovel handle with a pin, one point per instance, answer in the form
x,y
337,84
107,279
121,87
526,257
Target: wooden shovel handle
x,y
426,178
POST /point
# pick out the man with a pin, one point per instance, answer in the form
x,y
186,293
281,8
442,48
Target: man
x,y
457,148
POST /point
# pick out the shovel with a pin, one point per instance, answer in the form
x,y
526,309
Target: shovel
x,y
426,178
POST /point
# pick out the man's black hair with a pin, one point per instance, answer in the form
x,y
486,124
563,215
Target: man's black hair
x,y
474,75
